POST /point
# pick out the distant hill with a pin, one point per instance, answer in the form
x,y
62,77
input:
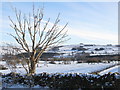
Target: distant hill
x,y
67,50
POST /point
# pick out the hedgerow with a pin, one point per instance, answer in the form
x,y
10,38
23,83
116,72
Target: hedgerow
x,y
65,81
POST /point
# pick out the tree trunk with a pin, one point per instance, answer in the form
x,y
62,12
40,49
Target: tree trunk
x,y
32,67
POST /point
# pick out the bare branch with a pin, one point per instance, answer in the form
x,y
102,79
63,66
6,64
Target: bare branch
x,y
38,37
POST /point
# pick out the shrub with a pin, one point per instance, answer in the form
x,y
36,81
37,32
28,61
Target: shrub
x,y
66,81
52,62
99,49
3,67
79,61
73,49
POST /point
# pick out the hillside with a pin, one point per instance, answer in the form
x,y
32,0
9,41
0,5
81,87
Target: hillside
x,y
70,50
87,48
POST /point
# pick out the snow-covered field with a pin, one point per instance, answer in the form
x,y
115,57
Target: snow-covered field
x,y
74,67
68,68
113,70
107,50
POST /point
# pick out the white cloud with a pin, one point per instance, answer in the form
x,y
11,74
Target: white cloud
x,y
87,34
82,32
60,0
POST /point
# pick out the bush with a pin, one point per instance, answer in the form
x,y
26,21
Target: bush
x,y
99,49
3,67
52,62
79,61
81,49
73,49
65,81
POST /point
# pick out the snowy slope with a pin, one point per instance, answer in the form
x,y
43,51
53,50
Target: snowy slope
x,y
62,68
67,49
90,49
113,70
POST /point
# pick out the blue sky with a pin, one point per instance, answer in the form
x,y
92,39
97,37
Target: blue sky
x,y
89,22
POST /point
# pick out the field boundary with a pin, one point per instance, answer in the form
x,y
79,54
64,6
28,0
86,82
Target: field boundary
x,y
98,71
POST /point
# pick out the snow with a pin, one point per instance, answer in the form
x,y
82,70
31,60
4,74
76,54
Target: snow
x,y
0,82
67,49
23,86
64,68
83,68
108,50
71,68
113,70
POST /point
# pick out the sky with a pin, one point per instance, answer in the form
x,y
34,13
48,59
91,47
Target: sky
x,y
88,22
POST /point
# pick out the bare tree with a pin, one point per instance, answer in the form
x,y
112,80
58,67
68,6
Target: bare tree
x,y
30,27
9,56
